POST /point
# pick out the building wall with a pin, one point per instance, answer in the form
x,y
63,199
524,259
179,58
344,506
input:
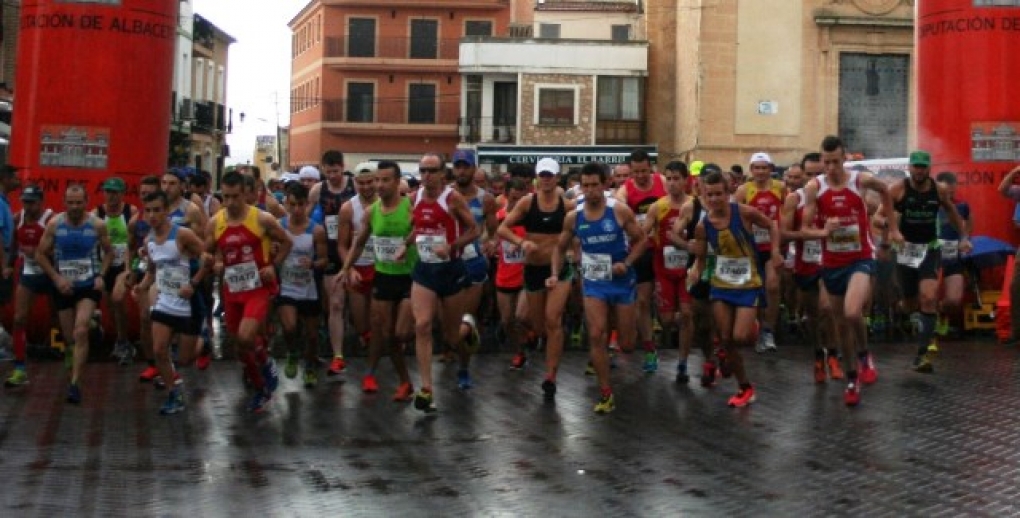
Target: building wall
x,y
590,25
534,134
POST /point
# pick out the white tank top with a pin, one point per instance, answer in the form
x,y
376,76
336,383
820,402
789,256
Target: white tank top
x,y
297,282
367,257
173,271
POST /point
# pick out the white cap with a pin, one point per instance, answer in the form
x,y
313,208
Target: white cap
x,y
547,164
309,171
761,156
288,177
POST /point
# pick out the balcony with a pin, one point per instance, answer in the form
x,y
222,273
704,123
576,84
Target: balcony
x,y
487,130
620,132
204,118
390,116
401,53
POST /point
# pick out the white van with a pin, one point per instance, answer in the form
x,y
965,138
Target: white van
x,y
888,169
406,168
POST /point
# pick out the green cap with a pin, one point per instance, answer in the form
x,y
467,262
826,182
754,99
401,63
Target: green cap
x,y
921,158
114,184
696,167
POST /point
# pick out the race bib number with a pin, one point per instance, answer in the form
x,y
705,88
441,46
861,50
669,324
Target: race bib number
x,y
170,279
812,252
368,253
844,239
512,254
77,270
386,248
242,277
950,249
30,267
912,254
674,258
332,227
761,235
427,248
596,267
119,254
143,265
470,252
735,271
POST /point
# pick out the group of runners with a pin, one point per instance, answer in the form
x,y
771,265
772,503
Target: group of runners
x,y
691,251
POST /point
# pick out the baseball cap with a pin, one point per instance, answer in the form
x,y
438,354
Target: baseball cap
x,y
308,171
114,184
697,167
288,177
921,158
547,164
761,157
464,155
31,193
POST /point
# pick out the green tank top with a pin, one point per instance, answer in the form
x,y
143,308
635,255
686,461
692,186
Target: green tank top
x,y
117,228
388,234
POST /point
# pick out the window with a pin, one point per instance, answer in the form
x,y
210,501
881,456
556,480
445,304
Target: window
x,y
621,32
421,106
424,39
549,30
619,98
478,28
360,102
361,37
556,106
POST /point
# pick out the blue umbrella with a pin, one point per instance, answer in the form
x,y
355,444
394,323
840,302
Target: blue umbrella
x,y
988,252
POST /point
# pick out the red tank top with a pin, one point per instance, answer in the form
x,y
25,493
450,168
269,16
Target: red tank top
x,y
769,201
639,200
245,250
850,242
510,258
666,216
28,236
807,259
433,218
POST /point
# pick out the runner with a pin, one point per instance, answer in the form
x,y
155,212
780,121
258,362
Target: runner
x,y
138,229
117,215
513,308
388,225
949,243
352,224
611,242
847,260
243,235
29,227
443,227
69,253
542,215
182,211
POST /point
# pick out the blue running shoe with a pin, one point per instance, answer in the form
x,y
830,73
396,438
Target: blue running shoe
x,y
174,402
260,401
464,379
74,394
271,374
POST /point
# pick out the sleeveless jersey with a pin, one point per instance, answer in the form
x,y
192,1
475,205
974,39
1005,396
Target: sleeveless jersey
x,y
245,250
28,236
603,242
329,204
298,282
179,214
850,241
538,222
357,227
668,258
117,227
76,251
388,234
769,201
477,206
639,200
807,259
510,261
736,262
919,213
949,237
173,272
434,224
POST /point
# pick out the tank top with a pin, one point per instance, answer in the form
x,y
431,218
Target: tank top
x,y
117,227
537,222
919,213
357,227
769,201
173,272
388,234
76,251
849,243
245,249
298,282
603,242
736,261
477,206
434,225
28,236
949,237
330,202
178,216
807,258
141,232
510,261
667,258
639,200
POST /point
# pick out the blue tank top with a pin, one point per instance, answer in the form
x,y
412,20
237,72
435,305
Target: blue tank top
x,y
603,243
76,252
946,229
736,263
477,207
178,215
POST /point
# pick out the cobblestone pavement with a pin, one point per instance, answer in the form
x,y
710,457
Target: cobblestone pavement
x,y
923,445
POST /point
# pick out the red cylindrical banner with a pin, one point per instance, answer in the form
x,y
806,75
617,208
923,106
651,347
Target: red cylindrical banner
x,y
93,91
968,113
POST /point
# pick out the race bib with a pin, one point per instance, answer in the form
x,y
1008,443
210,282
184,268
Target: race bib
x,y
76,270
470,252
119,254
641,218
812,252
386,248
427,248
912,254
368,253
596,267
735,271
844,239
950,249
332,227
761,235
242,277
512,254
30,267
674,258
170,279
143,265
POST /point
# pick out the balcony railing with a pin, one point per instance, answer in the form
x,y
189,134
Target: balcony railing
x,y
204,117
393,48
473,130
391,111
620,132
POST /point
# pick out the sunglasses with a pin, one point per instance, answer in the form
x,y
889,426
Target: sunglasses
x,y
430,169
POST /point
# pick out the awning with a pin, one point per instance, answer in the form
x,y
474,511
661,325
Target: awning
x,y
565,155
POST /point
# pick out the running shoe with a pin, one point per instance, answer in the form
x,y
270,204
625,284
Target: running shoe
x,y
819,371
291,367
311,377
852,395
260,401
869,374
605,404
835,371
549,388
519,361
933,347
464,379
589,370
768,341
404,392
743,398
148,374
336,366
174,402
575,336
73,394
204,360
681,373
18,378
942,327
651,362
270,374
924,364
369,385
708,374
473,341
423,401
127,356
